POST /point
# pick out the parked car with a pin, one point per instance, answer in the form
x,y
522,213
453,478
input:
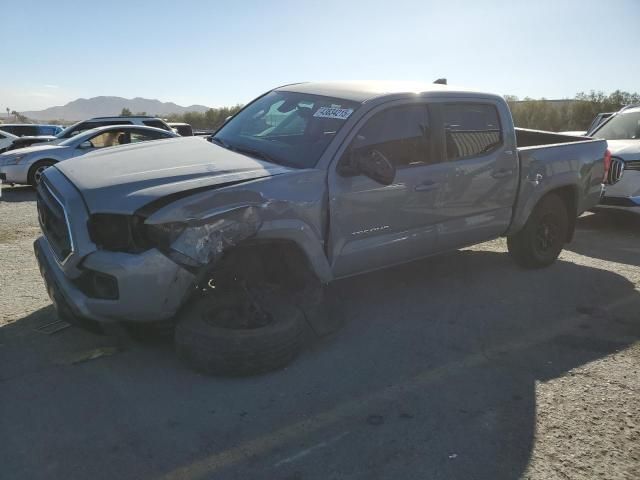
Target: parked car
x,y
307,184
574,133
622,133
85,125
182,129
29,134
30,130
6,140
203,132
27,164
141,120
27,141
598,120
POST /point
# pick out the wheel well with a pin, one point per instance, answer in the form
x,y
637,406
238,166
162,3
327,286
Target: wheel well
x,y
569,195
280,262
33,167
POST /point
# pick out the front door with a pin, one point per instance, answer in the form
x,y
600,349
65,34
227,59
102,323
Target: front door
x,y
374,225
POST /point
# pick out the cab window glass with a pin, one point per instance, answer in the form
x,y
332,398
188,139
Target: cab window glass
x,y
401,134
46,130
470,129
84,126
155,123
112,138
143,136
22,130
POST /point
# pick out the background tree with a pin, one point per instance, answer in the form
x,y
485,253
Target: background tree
x,y
209,120
125,112
19,117
569,114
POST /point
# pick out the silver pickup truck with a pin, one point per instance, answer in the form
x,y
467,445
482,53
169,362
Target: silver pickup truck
x,y
308,183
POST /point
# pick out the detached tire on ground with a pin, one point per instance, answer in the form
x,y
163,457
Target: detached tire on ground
x,y
541,240
207,347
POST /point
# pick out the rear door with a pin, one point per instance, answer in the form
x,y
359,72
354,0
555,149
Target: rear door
x,y
481,174
374,225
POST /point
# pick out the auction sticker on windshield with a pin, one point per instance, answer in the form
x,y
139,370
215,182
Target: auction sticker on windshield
x,y
330,112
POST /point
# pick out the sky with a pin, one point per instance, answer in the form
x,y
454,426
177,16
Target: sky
x,y
219,53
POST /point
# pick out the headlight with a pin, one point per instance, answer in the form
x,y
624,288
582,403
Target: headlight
x,y
206,241
14,160
116,232
163,235
187,244
128,233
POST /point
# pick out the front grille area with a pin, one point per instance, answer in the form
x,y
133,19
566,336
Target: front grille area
x,y
615,171
633,165
53,223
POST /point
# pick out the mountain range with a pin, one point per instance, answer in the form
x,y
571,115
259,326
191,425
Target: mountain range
x,y
84,108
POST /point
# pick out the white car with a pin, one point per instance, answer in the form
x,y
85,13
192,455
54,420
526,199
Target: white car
x,y
26,165
6,140
622,132
141,120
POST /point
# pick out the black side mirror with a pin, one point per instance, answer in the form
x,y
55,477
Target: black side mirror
x,y
369,162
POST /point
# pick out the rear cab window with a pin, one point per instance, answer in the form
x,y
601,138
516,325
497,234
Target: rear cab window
x,y
471,129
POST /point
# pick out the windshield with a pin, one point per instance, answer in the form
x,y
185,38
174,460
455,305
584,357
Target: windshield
x,y
624,126
63,133
289,128
68,141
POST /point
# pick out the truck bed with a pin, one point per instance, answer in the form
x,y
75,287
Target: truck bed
x,y
537,138
551,160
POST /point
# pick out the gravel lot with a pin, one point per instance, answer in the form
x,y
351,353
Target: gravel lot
x,y
462,366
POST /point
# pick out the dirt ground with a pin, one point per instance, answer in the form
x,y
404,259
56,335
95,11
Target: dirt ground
x,y
462,366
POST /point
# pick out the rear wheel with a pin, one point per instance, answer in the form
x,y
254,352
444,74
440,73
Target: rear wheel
x,y
36,171
541,240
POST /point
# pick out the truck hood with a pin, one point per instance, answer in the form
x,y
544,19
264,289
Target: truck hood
x,y
624,149
126,178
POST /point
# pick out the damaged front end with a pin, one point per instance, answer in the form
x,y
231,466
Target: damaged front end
x,y
193,244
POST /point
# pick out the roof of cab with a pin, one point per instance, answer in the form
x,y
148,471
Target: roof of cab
x,y
361,91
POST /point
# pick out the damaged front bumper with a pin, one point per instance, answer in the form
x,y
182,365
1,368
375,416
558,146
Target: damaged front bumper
x,y
150,287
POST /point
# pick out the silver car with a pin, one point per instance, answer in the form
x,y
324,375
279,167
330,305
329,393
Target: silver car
x,y
622,133
25,166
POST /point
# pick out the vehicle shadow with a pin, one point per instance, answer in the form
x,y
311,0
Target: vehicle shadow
x,y
17,194
609,235
433,376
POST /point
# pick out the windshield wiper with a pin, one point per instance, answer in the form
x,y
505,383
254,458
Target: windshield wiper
x,y
255,153
219,141
246,150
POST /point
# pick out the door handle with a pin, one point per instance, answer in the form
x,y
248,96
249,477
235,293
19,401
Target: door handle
x,y
502,173
426,186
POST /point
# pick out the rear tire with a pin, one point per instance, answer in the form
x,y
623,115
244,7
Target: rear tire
x,y
36,171
541,240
